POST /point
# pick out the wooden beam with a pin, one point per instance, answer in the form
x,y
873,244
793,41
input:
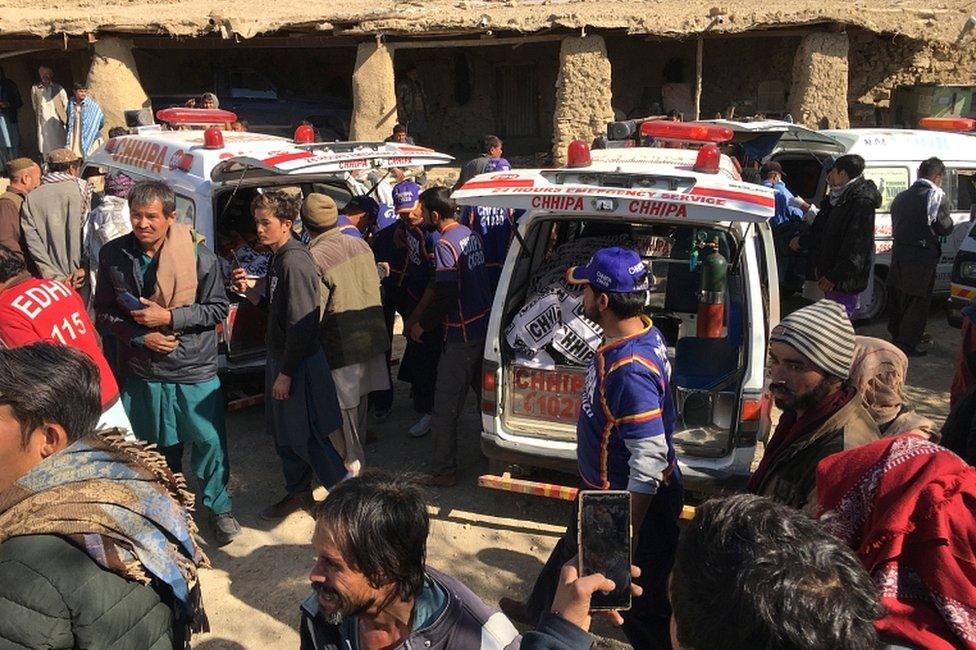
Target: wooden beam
x,y
475,42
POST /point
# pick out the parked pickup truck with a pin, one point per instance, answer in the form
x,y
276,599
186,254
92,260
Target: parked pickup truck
x,y
267,109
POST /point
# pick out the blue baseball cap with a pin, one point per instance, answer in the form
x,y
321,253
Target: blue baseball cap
x,y
612,270
406,195
498,165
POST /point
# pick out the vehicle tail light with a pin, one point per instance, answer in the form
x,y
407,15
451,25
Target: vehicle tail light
x,y
578,154
685,131
489,388
753,420
709,159
213,138
181,161
948,123
304,134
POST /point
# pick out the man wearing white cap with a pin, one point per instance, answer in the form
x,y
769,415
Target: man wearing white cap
x,y
810,357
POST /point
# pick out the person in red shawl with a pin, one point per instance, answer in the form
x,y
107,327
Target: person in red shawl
x,y
906,506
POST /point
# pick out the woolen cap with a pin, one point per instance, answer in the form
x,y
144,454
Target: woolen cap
x,y
319,212
62,156
822,333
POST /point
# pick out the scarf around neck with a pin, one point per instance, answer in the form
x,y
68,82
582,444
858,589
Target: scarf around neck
x,y
837,193
176,269
83,187
118,502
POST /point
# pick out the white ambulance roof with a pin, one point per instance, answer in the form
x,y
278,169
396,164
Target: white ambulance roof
x,y
657,191
900,145
161,154
653,160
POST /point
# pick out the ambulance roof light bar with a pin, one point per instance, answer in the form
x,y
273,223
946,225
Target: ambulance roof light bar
x,y
195,116
948,123
578,154
685,131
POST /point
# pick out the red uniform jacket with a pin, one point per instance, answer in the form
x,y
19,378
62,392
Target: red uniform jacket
x,y
47,310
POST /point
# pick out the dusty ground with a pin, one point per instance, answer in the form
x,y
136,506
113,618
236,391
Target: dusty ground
x,y
494,542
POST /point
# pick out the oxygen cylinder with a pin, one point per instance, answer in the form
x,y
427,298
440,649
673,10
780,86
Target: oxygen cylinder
x,y
711,298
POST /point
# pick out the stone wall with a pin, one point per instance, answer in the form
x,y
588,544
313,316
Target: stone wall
x,y
113,81
374,97
584,100
819,90
880,63
466,101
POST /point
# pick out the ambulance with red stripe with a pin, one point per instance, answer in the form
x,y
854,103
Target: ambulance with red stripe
x,y
705,234
215,175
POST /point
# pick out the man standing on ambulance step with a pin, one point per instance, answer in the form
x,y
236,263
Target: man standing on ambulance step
x,y
168,346
459,299
624,442
37,309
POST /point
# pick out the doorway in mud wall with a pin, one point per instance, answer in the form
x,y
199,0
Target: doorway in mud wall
x,y
516,102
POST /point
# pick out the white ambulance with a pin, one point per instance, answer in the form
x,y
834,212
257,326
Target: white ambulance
x,y
891,160
215,175
666,204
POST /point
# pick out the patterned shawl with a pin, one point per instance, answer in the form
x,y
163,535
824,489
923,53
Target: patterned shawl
x,y
119,502
906,506
92,121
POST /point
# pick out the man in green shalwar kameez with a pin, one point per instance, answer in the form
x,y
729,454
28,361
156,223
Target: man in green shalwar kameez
x,y
168,346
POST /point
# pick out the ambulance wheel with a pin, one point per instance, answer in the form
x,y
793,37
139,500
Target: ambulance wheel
x,y
879,297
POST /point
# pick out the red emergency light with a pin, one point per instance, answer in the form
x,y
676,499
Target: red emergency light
x,y
948,123
181,161
709,159
112,145
213,138
685,131
304,134
578,154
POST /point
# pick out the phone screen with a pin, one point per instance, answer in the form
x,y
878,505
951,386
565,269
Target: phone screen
x,y
604,544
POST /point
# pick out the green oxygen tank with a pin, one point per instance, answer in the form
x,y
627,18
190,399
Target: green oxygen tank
x,y
711,299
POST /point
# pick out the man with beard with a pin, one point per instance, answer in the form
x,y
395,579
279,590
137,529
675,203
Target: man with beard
x,y
623,442
370,586
810,357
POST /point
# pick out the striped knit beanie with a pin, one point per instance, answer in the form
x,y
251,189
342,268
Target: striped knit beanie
x,y
822,333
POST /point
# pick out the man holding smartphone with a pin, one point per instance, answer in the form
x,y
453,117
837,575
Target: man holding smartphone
x,y
160,293
624,441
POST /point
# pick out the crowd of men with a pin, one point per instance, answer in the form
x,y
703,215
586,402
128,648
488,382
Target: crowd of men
x,y
857,532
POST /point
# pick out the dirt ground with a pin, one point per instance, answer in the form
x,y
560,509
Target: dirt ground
x,y
495,542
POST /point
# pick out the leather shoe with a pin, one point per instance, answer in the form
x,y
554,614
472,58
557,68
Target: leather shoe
x,y
447,479
288,505
515,610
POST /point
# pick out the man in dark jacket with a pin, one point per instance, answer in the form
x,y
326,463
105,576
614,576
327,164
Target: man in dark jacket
x,y
370,587
301,407
810,357
841,240
491,148
919,216
97,544
10,103
160,293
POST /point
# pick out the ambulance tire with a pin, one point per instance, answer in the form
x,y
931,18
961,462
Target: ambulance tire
x,y
879,296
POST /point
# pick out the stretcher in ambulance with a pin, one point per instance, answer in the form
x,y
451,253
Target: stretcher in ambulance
x,y
704,233
215,175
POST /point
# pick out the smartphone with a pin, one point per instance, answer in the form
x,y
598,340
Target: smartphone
x,y
604,544
130,302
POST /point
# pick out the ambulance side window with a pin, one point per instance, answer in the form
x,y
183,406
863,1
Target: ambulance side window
x,y
186,211
960,189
